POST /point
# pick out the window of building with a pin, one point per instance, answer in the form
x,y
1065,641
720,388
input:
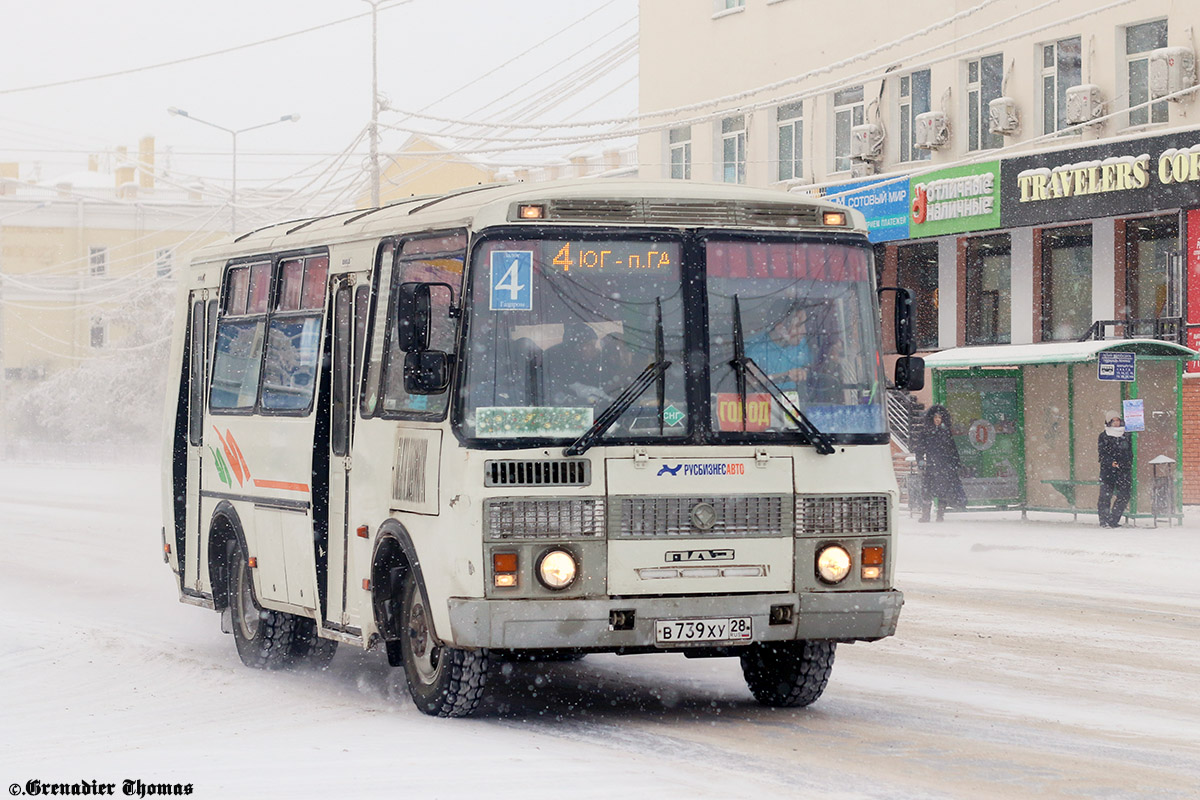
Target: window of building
x,y
913,100
679,141
1062,68
99,333
989,290
98,261
1151,282
727,5
985,76
733,149
164,259
848,110
1066,283
917,271
1140,40
789,119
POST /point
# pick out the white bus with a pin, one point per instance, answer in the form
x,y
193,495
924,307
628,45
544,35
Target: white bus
x,y
539,421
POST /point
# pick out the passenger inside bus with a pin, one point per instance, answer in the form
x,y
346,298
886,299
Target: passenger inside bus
x,y
574,366
782,351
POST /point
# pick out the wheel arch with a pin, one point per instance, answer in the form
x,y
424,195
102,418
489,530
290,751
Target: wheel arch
x,y
224,526
393,558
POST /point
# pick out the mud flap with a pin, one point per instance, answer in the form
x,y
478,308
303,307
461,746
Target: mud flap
x,y
226,620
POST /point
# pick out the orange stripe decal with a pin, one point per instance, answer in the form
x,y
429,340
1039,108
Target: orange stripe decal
x,y
233,462
285,485
237,451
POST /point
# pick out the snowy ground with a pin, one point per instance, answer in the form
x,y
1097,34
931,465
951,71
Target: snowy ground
x,y
1043,658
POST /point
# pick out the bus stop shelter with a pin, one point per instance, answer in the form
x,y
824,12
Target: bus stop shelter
x,y
1027,419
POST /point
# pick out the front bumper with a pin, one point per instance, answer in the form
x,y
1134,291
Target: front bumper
x,y
584,623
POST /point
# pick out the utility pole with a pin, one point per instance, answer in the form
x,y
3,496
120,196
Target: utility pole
x,y
374,102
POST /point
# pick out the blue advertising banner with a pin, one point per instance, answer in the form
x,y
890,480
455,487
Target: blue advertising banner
x,y
884,202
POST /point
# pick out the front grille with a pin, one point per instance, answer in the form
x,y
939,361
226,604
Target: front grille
x,y
574,518
537,472
740,515
830,515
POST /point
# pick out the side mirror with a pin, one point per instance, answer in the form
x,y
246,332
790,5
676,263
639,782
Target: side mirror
x,y
905,320
906,323
910,373
413,312
426,372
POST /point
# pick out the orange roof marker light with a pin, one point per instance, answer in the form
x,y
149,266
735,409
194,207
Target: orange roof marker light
x,y
834,218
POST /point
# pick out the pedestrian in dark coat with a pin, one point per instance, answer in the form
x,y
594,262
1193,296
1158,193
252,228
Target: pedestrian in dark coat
x,y
940,464
1115,451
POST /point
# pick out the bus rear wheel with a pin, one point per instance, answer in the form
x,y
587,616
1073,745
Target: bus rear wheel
x,y
263,637
788,674
443,681
308,648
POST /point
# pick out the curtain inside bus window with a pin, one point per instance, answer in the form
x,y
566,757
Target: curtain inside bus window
x,y
260,288
421,261
316,270
808,321
291,284
560,327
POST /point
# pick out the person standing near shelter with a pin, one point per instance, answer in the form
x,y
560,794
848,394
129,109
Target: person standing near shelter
x,y
940,465
1115,451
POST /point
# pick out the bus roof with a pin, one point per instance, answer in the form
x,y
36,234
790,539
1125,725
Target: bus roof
x,y
576,202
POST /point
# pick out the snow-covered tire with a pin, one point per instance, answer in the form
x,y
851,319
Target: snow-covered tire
x,y
443,681
309,649
788,674
263,638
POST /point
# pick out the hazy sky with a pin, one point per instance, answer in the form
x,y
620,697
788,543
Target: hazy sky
x,y
427,49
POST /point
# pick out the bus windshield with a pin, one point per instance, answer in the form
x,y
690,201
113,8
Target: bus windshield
x,y
560,327
807,314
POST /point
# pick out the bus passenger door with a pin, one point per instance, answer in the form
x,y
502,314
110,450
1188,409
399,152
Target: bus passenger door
x,y
189,503
351,301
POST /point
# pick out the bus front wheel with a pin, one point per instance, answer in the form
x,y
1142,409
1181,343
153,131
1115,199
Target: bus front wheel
x,y
443,681
788,674
263,637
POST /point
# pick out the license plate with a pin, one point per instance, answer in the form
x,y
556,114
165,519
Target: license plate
x,y
688,631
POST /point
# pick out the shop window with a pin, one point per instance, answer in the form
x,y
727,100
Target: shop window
x,y
1151,248
917,271
1140,40
914,100
989,290
985,77
848,110
679,141
1066,283
1062,64
733,149
790,129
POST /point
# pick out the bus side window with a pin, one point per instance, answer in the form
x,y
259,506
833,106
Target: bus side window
x,y
383,274
293,338
239,340
362,307
197,346
434,259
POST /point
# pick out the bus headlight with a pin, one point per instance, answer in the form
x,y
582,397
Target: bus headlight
x,y
556,569
833,564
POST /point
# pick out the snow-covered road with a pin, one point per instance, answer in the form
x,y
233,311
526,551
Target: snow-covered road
x,y
1043,658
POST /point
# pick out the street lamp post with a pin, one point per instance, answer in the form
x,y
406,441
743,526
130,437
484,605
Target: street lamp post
x,y
179,112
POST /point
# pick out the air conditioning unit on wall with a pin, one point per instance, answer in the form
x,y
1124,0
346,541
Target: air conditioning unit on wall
x,y
1002,116
1172,69
866,142
932,131
1084,103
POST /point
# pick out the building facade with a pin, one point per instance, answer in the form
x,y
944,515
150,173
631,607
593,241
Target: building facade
x,y
1030,171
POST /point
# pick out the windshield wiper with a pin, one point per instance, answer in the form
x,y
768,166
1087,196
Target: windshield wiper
x,y
653,373
743,364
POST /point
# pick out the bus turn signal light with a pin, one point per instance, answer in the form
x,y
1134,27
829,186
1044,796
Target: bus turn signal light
x,y
872,563
834,218
504,569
